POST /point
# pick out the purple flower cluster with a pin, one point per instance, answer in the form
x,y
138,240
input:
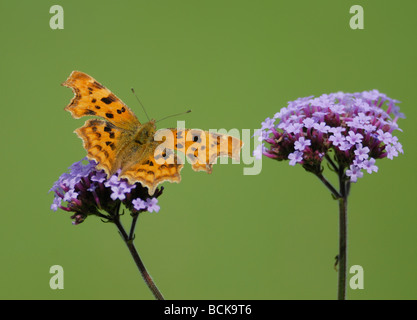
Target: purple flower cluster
x,y
87,191
357,127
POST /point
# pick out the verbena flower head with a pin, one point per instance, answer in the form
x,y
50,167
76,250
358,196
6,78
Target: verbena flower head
x,y
85,191
356,127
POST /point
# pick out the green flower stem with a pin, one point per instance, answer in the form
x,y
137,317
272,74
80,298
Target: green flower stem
x,y
342,197
329,186
135,255
342,258
133,226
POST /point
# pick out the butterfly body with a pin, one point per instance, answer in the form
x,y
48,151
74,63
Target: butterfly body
x,y
118,141
145,133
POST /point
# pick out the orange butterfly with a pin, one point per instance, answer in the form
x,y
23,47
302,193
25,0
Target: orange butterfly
x,y
119,141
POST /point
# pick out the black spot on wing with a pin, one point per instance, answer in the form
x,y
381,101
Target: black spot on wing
x,y
149,163
111,145
107,100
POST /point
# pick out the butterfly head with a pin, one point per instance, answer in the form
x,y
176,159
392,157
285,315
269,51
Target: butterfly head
x,y
145,132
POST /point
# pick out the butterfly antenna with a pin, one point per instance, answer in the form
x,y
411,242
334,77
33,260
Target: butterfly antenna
x,y
174,115
134,93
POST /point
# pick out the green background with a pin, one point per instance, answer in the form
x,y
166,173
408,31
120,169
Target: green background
x,y
234,63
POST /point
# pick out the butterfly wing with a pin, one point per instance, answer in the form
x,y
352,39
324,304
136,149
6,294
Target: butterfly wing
x,y
202,148
93,99
144,167
104,140
104,143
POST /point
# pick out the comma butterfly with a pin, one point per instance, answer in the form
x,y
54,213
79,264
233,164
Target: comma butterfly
x,y
118,141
